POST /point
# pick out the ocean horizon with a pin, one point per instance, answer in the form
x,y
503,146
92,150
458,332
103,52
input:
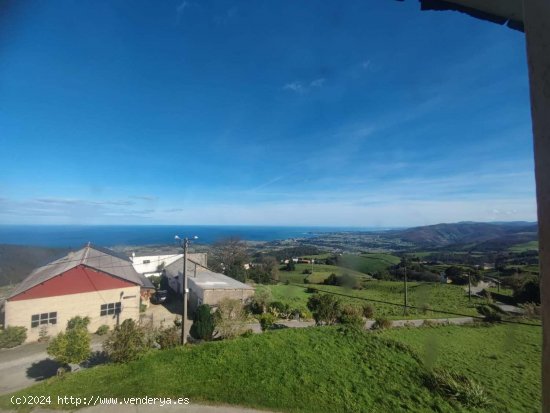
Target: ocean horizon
x,y
74,236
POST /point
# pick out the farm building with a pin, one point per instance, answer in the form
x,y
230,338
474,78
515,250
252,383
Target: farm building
x,y
93,282
205,286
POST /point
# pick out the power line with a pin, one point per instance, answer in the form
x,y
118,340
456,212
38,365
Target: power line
x,y
409,306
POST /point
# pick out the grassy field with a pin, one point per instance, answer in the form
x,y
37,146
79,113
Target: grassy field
x,y
437,296
368,263
505,359
326,370
320,272
527,246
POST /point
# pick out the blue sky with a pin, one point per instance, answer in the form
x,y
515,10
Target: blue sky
x,y
276,113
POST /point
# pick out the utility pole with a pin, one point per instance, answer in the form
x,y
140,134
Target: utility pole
x,y
469,287
406,292
184,243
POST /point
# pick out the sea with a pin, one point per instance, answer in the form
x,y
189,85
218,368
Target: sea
x,y
74,236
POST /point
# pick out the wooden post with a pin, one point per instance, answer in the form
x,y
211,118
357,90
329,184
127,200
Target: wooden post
x,y
536,14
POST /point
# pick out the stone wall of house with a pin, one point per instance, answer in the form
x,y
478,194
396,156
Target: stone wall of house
x,y
213,297
19,313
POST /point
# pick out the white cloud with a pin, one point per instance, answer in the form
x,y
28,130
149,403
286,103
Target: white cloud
x,y
301,87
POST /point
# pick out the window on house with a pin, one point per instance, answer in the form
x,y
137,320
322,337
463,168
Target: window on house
x,y
44,318
110,309
146,261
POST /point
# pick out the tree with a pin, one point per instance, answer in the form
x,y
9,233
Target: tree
x,y
260,301
229,257
71,347
271,267
456,275
528,292
78,322
126,342
325,308
230,318
203,323
290,265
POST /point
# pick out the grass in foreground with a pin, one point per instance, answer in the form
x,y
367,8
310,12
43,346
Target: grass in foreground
x,y
504,359
293,370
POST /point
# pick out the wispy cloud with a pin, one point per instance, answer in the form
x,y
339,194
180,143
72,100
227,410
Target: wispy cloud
x,y
68,201
145,197
304,87
180,10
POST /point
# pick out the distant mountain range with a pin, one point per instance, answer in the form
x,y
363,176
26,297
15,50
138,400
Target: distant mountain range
x,y
17,261
466,234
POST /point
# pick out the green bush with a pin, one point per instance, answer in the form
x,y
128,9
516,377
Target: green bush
x,y
72,346
203,323
352,316
266,321
382,323
457,387
78,322
528,291
368,311
491,314
12,336
126,342
248,333
169,337
102,330
325,308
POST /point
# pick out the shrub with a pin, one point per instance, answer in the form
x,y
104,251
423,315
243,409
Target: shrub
x,y
248,333
72,346
491,315
260,301
279,309
230,318
351,315
457,387
12,336
310,290
169,337
43,336
266,321
305,314
78,322
102,330
531,310
382,323
126,342
203,323
307,271
325,308
368,310
529,291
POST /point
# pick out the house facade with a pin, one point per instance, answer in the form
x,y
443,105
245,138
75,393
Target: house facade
x,y
91,282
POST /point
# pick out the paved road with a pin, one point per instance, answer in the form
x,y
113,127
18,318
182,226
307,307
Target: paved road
x,y
507,308
25,365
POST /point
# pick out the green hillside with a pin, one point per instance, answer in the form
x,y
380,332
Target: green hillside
x,y
368,263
